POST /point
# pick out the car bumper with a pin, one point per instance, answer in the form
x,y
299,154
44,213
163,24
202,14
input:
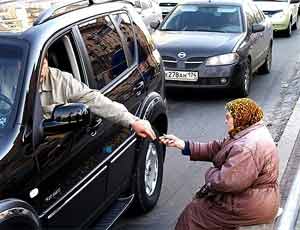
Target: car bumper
x,y
210,77
280,23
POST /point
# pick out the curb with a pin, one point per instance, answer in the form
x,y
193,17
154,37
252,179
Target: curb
x,y
286,145
289,138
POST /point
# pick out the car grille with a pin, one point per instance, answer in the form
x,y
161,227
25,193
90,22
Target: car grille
x,y
168,4
203,82
209,81
190,63
194,62
169,62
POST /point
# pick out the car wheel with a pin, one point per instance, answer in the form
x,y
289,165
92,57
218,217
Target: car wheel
x,y
245,81
266,67
288,31
149,174
295,26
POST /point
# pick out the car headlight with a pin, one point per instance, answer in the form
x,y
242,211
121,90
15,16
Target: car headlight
x,y
224,59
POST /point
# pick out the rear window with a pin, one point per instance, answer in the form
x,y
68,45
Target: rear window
x,y
11,66
217,18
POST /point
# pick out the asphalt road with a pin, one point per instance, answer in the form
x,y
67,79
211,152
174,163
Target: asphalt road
x,y
200,116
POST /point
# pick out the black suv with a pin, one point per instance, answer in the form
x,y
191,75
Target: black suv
x,y
76,169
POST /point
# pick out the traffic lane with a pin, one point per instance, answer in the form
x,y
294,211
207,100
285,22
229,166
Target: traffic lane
x,y
200,116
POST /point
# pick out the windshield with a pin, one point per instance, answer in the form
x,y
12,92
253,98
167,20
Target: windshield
x,y
220,18
11,62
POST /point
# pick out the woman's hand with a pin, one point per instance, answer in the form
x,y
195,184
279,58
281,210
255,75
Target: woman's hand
x,y
172,141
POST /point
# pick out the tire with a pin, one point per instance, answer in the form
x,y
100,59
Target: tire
x,y
147,197
295,26
245,81
288,31
266,67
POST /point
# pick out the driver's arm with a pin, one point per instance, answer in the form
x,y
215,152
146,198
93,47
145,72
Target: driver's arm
x,y
99,104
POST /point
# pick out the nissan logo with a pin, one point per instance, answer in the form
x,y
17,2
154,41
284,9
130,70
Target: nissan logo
x,y
181,55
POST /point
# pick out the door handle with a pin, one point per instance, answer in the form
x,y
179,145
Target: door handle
x,y
139,88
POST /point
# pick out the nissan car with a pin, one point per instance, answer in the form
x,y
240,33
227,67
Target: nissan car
x,y
215,44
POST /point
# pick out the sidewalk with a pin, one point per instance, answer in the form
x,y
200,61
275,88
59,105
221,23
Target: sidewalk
x,y
290,190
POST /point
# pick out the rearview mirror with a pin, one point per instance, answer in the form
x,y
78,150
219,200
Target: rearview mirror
x,y
66,118
155,25
257,28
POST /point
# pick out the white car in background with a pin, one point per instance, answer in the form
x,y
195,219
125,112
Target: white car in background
x,y
283,14
167,6
149,11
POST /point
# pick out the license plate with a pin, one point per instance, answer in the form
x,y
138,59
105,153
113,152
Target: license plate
x,y
181,76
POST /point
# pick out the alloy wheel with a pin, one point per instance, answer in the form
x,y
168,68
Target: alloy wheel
x,y
151,169
246,79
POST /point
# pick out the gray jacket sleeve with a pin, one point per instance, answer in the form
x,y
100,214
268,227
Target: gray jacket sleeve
x,y
99,104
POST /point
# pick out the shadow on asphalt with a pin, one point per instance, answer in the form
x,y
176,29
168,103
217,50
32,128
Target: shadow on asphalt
x,y
200,94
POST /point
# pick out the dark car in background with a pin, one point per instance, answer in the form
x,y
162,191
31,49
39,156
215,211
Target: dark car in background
x,y
74,168
215,44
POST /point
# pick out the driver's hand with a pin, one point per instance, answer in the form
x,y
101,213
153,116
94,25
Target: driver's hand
x,y
143,129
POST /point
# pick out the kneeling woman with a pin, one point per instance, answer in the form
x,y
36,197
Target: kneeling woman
x,y
241,188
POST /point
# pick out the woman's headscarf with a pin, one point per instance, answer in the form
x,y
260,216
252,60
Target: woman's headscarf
x,y
245,112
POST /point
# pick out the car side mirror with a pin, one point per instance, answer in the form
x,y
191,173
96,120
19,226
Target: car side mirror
x,y
155,25
295,1
65,118
257,28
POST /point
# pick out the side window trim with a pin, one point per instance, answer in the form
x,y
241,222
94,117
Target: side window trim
x,y
82,52
129,59
135,58
72,57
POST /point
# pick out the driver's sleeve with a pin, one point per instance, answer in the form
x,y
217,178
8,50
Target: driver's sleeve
x,y
99,104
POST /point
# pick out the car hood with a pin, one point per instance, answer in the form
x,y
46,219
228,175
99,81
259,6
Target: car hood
x,y
271,6
202,44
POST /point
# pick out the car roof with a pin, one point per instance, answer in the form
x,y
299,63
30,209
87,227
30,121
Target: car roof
x,y
43,29
23,15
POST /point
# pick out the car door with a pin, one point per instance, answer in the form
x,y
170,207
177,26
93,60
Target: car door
x,y
112,56
267,34
254,48
262,40
71,164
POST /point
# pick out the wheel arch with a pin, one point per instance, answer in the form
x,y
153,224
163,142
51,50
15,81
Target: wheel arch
x,y
154,109
17,212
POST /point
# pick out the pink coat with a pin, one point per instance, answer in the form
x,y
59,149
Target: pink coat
x,y
243,181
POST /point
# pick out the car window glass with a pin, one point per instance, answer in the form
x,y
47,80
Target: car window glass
x,y
250,16
262,15
217,18
124,23
256,14
12,58
105,50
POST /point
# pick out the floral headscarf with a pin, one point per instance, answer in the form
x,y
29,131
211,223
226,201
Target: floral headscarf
x,y
245,112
